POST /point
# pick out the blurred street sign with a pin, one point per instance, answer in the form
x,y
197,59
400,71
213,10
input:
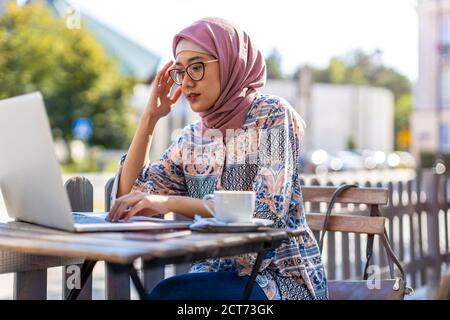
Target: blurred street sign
x,y
82,128
404,137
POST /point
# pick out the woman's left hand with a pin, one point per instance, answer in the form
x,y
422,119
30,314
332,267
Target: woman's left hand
x,y
136,202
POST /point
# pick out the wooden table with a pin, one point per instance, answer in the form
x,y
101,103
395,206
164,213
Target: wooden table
x,y
121,249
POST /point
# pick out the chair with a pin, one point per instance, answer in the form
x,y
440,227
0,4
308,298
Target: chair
x,y
388,289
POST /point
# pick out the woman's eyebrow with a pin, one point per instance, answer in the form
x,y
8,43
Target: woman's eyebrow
x,y
189,60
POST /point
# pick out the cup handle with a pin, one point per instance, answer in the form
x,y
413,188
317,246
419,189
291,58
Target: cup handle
x,y
205,204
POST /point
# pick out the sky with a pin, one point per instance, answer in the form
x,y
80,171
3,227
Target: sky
x,y
303,31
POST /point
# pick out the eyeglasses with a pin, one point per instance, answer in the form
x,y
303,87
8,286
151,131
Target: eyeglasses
x,y
195,70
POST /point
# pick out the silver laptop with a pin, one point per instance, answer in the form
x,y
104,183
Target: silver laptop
x,y
30,175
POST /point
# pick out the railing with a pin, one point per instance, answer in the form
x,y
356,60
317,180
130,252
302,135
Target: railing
x,y
418,229
417,214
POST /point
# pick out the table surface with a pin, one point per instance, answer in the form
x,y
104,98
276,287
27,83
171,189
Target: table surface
x,y
125,247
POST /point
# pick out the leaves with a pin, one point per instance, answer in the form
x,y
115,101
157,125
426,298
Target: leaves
x,y
70,68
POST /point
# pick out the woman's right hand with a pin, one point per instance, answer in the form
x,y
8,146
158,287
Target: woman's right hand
x,y
161,103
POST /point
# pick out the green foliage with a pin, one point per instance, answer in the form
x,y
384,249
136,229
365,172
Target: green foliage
x,y
403,109
273,65
70,68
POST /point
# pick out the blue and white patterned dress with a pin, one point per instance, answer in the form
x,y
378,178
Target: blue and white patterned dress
x,y
266,160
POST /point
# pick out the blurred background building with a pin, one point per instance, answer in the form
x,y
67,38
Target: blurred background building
x,y
430,120
341,117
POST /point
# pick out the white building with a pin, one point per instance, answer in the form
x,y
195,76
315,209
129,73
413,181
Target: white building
x,y
430,121
336,114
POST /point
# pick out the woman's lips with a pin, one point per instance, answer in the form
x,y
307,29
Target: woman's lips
x,y
192,97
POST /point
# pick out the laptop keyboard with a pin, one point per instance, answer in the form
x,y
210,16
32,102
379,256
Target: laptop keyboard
x,y
85,219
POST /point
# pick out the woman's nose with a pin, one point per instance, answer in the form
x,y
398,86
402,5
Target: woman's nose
x,y
187,81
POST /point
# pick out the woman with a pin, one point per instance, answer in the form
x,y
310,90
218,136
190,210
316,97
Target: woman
x,y
245,141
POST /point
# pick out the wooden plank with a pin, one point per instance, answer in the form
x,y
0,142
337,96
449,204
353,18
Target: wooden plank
x,y
30,285
360,195
11,262
403,198
95,247
345,246
331,244
421,206
412,246
446,204
331,255
221,249
183,267
345,256
108,189
358,260
151,276
401,251
81,193
381,252
431,182
347,223
315,207
446,231
92,252
117,282
422,273
81,196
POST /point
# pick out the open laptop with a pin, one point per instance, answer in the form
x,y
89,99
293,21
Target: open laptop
x,y
30,175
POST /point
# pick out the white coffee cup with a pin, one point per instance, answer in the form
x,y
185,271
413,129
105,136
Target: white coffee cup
x,y
231,206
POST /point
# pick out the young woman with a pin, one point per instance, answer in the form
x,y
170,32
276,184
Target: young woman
x,y
245,140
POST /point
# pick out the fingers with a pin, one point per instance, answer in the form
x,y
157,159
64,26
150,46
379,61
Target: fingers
x,y
161,77
163,74
143,207
166,86
138,207
176,95
122,203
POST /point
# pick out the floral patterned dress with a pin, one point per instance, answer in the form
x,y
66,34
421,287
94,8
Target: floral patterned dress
x,y
263,156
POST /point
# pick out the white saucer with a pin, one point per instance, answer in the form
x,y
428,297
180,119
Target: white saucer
x,y
213,225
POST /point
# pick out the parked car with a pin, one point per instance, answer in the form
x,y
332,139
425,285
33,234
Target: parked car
x,y
350,160
321,161
373,159
401,159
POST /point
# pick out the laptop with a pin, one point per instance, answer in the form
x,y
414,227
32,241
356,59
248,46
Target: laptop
x,y
31,180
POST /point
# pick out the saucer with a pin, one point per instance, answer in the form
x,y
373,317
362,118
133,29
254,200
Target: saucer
x,y
213,225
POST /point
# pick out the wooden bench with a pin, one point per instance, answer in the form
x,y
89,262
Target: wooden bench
x,y
345,223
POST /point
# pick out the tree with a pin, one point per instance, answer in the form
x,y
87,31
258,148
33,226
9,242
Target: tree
x,y
360,68
273,65
70,68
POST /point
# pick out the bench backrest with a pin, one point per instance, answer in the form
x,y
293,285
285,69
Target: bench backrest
x,y
347,223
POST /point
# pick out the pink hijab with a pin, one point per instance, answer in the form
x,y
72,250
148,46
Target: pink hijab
x,y
242,70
